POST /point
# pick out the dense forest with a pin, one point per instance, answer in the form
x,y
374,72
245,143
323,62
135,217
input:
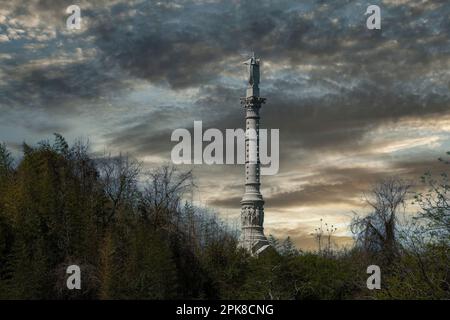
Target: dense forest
x,y
135,236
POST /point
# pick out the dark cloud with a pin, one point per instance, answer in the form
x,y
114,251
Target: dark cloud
x,y
332,123
216,107
62,87
364,79
189,43
342,185
329,81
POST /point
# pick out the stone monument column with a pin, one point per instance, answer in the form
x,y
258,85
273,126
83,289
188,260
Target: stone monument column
x,y
252,203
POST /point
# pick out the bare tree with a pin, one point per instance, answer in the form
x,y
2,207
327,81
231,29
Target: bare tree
x,y
435,205
376,232
163,193
119,175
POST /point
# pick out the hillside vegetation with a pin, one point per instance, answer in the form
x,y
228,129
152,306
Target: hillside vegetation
x,y
134,237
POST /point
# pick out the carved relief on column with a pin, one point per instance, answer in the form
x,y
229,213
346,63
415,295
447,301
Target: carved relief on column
x,y
252,215
260,215
245,215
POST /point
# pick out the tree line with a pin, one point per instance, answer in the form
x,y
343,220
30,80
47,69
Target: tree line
x,y
135,236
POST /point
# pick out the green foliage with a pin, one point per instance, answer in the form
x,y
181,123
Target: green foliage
x,y
435,205
6,162
60,207
142,266
52,217
226,266
305,276
423,275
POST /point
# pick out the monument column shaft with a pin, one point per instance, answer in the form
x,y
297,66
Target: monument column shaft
x,y
252,164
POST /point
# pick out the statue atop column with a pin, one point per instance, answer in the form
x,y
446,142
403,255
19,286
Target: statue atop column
x,y
253,76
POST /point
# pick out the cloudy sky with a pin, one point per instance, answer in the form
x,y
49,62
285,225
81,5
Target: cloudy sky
x,y
353,105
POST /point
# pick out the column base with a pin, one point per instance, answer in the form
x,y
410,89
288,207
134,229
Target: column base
x,y
253,240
